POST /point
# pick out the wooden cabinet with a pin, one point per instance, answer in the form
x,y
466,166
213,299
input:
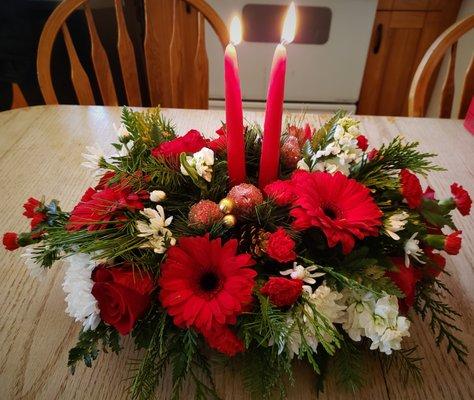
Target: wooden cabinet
x,y
403,30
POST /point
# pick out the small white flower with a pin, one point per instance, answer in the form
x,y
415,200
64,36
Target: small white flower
x,y
93,157
395,223
121,130
412,249
306,274
202,162
159,236
326,302
359,314
157,196
35,269
77,284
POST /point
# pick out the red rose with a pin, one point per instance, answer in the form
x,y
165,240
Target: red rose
x,y
219,144
222,339
411,188
452,243
362,142
461,198
97,208
122,295
436,262
32,210
280,246
406,280
282,291
10,241
192,142
280,192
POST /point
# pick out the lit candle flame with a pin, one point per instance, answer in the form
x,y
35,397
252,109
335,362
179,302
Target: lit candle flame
x,y
289,26
235,30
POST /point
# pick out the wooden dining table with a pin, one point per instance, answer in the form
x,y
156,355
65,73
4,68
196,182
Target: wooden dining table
x,y
40,155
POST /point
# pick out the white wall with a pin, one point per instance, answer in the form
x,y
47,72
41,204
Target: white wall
x,y
464,53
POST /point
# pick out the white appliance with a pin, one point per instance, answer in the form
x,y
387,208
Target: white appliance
x,y
320,77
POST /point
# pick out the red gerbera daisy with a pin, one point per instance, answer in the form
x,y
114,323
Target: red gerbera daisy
x,y
204,283
341,207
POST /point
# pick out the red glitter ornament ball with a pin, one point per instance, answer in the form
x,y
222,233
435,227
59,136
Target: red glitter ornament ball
x,y
205,213
290,152
245,197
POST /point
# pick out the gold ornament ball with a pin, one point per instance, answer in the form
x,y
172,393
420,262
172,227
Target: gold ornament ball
x,y
229,220
226,205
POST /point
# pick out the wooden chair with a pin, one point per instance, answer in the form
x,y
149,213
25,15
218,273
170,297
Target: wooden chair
x,y
174,51
418,97
18,99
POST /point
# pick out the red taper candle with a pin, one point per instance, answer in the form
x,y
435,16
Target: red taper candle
x,y
270,157
233,110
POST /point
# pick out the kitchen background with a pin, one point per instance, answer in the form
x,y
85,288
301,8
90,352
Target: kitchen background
x,y
359,55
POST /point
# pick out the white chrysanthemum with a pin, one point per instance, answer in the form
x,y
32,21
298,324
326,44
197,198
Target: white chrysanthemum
x,y
306,274
81,304
395,223
157,196
159,236
202,161
35,269
412,249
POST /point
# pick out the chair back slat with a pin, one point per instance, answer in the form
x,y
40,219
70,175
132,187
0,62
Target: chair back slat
x,y
156,49
18,100
201,65
447,93
128,63
177,55
468,90
80,80
100,62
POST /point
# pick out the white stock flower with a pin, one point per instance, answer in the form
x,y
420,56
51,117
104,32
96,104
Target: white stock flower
x,y
306,274
359,315
412,249
157,196
325,301
395,223
302,165
202,162
156,231
34,268
77,284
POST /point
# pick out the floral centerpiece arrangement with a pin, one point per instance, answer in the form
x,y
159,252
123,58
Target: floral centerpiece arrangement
x,y
327,262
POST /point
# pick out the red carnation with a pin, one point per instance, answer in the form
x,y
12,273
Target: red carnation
x,y
280,246
205,283
280,192
282,291
461,198
219,144
98,208
10,241
406,279
33,211
452,243
222,339
123,295
341,207
411,188
362,142
372,154
429,193
192,142
104,181
436,262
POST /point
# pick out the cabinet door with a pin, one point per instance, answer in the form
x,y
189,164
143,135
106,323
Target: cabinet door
x,y
391,62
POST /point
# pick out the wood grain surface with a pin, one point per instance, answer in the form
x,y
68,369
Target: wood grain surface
x,y
40,154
